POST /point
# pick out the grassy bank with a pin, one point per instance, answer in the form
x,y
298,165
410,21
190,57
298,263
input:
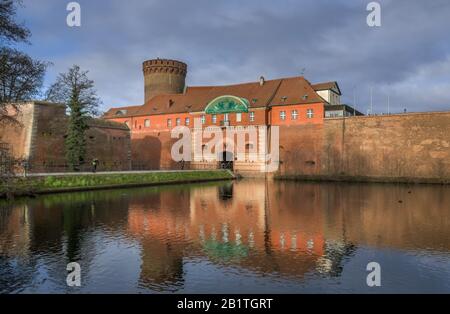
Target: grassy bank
x,y
54,184
362,179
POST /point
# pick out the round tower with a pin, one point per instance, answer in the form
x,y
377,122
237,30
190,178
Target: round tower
x,y
164,76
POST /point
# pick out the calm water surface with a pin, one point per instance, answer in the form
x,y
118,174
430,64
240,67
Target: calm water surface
x,y
249,236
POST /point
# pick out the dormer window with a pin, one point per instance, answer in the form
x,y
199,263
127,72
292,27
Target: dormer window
x,y
284,98
121,112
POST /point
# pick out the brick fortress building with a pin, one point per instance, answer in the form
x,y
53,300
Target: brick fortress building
x,y
169,103
318,136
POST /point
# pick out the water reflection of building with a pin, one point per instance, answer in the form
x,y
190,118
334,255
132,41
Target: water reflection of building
x,y
15,231
247,223
288,229
41,236
285,228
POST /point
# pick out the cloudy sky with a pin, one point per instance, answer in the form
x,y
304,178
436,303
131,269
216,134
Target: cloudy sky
x,y
233,41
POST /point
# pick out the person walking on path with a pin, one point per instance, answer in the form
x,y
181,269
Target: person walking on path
x,y
94,165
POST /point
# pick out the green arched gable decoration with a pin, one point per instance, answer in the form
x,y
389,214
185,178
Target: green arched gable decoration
x,y
227,104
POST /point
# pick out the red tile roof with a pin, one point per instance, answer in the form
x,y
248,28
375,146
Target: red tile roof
x,y
286,91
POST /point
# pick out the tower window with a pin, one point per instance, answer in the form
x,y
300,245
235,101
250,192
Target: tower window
x,y
187,121
169,123
203,119
214,119
238,117
226,117
178,121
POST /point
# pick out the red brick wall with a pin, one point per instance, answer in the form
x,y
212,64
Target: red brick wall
x,y
300,149
152,150
404,145
46,129
411,146
16,134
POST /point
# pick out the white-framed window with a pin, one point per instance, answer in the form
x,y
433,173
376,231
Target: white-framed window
x,y
226,117
310,113
187,121
283,115
147,123
214,118
169,123
294,114
178,121
203,119
238,117
251,116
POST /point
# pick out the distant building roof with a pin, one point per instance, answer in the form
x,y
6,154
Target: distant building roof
x,y
327,86
343,107
101,123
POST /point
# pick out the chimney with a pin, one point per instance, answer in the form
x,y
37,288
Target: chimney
x,y
261,81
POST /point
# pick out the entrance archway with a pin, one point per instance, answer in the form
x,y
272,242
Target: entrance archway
x,y
226,160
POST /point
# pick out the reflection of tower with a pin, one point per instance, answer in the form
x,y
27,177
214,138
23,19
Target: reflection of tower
x,y
163,76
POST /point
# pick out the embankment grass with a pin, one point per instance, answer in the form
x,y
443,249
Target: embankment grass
x,y
54,184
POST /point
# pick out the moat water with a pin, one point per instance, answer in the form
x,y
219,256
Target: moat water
x,y
249,236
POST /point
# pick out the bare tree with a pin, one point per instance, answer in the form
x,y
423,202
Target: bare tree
x,y
75,86
21,77
10,30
